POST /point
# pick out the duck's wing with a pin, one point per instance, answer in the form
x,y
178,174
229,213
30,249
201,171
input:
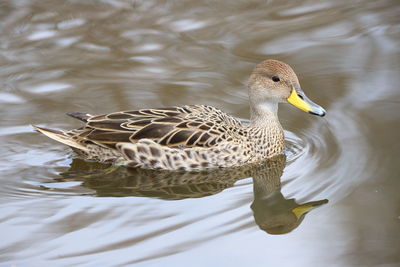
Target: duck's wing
x,y
187,126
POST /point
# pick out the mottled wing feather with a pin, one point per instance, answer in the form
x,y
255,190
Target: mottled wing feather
x,y
188,126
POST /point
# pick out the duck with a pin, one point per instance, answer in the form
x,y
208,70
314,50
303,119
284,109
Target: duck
x,y
192,137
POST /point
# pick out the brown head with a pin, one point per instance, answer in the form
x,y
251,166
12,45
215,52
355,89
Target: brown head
x,y
273,82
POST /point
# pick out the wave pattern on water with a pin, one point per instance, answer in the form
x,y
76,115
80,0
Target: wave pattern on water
x,y
118,55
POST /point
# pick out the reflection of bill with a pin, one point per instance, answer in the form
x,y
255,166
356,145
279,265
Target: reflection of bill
x,y
272,211
277,215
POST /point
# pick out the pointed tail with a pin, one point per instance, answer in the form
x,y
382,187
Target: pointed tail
x,y
59,136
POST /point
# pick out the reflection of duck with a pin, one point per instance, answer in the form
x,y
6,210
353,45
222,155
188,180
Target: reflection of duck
x,y
272,212
193,137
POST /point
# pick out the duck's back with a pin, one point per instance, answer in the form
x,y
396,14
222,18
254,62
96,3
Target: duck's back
x,y
181,127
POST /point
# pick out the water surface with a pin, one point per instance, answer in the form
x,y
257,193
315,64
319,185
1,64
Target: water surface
x,y
104,56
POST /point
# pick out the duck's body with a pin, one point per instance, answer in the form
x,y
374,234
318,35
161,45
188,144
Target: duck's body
x,y
175,138
191,137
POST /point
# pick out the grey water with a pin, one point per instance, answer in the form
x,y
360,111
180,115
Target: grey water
x,y
342,170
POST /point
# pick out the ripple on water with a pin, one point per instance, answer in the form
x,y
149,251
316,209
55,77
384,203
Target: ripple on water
x,y
295,146
110,55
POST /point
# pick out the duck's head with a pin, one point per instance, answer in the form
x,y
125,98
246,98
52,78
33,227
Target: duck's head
x,y
273,82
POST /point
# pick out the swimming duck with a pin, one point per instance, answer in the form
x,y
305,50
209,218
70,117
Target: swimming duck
x,y
192,137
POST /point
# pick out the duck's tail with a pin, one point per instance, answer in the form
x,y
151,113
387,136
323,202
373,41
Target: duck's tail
x,y
60,136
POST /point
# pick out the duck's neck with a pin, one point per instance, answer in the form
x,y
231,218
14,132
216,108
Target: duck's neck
x,y
264,114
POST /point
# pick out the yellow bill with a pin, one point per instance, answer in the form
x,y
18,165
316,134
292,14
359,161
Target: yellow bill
x,y
298,99
300,210
306,207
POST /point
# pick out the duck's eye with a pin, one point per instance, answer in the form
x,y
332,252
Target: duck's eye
x,y
275,79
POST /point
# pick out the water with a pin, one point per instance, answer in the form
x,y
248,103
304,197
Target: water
x,y
104,56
